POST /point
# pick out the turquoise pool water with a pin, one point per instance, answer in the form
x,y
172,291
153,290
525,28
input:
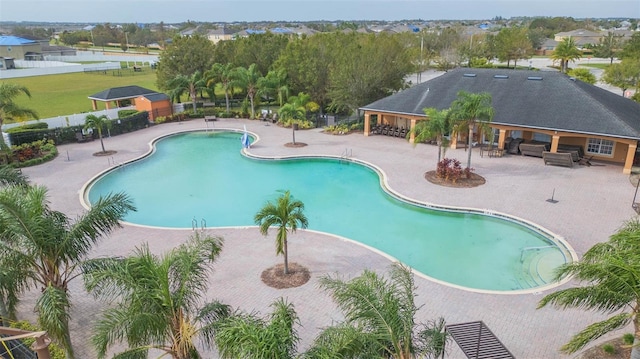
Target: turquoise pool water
x,y
203,176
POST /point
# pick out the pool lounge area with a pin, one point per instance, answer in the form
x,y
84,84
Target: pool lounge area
x,y
586,212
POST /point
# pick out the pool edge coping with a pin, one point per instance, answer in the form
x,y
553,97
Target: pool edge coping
x,y
383,178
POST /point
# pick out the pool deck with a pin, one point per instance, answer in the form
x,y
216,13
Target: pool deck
x,y
592,203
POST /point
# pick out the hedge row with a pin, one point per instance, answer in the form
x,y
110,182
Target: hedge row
x,y
62,135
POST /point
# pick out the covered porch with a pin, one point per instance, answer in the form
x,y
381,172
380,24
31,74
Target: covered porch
x,y
596,147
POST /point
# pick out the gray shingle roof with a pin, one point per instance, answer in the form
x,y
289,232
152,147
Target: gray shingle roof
x,y
533,99
156,97
119,93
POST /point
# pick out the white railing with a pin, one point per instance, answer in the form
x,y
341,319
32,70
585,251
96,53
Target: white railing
x,y
72,120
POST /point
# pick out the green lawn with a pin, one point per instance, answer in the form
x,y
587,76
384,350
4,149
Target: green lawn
x,y
58,95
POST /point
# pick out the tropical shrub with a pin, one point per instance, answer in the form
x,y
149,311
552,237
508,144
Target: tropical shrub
x,y
628,338
450,170
160,119
127,113
302,124
31,154
609,349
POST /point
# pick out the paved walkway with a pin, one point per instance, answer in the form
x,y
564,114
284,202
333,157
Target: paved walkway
x,y
592,203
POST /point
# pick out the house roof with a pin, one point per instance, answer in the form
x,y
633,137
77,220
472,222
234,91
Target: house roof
x,y
221,31
121,93
15,41
155,97
579,33
532,99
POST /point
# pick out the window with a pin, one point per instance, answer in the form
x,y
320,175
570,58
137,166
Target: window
x,y
542,137
600,147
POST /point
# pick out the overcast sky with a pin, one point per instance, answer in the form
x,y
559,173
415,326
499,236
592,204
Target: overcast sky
x,y
176,11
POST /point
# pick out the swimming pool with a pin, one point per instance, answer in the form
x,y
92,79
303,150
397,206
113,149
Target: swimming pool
x,y
198,178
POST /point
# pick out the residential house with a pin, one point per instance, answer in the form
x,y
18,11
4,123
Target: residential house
x,y
19,48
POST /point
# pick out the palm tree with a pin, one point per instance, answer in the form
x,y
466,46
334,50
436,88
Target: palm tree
x,y
157,299
437,126
190,84
9,110
291,112
469,110
11,176
379,319
286,213
566,51
97,122
244,335
610,272
248,80
222,74
47,248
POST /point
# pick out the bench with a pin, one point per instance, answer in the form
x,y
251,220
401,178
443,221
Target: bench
x,y
210,118
137,69
557,159
533,149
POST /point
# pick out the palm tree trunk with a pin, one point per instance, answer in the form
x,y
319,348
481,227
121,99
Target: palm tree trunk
x,y
286,259
226,97
101,143
193,99
470,144
253,112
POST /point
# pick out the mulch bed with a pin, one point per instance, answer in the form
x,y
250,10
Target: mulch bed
x,y
105,153
474,180
297,144
274,277
596,352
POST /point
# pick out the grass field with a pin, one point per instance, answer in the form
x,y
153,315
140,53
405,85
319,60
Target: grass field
x,y
58,95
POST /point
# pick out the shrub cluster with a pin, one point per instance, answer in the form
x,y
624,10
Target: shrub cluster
x,y
450,170
61,135
344,128
31,154
302,124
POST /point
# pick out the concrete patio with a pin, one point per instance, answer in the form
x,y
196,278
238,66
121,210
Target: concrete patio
x,y
592,203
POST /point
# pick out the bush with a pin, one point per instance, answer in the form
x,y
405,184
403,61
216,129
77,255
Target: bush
x,y
609,349
628,338
302,124
450,170
31,154
27,127
160,119
127,113
55,351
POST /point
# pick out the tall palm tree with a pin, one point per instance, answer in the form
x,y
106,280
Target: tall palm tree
x,y
471,110
222,74
610,273
9,110
245,335
248,78
97,122
379,319
287,214
157,299
189,84
436,127
48,248
566,51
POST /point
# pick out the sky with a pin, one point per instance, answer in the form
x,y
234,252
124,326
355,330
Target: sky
x,y
177,11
